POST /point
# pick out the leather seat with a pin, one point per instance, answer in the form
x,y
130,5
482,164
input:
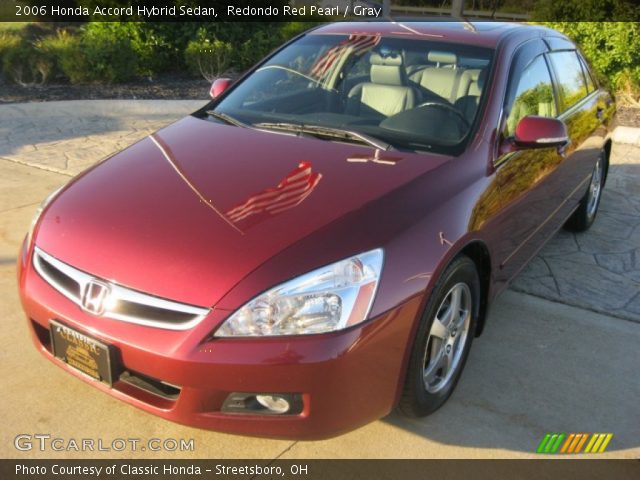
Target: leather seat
x,y
472,83
387,93
443,79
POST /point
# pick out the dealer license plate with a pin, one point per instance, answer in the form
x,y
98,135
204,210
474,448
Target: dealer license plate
x,y
81,351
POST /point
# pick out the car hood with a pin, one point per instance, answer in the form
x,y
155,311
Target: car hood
x,y
189,211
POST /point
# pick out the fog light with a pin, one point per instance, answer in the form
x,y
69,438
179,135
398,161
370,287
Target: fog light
x,y
263,403
274,403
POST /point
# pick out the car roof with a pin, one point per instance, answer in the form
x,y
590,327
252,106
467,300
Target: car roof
x,y
485,34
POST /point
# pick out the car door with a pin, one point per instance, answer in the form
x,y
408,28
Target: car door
x,y
524,176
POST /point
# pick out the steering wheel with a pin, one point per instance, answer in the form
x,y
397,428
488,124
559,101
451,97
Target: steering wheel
x,y
450,108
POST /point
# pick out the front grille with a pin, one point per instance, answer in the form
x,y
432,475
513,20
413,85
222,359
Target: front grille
x,y
123,303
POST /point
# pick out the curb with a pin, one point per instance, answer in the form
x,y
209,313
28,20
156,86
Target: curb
x,y
627,135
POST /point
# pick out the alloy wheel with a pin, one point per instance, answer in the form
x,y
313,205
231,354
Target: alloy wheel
x,y
595,188
447,338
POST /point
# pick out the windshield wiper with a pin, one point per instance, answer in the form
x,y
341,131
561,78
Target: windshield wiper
x,y
227,118
348,134
333,132
290,127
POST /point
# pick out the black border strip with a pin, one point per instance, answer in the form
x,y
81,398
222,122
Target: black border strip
x,y
550,469
276,10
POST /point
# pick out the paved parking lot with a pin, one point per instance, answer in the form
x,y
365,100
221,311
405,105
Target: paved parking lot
x,y
599,270
560,352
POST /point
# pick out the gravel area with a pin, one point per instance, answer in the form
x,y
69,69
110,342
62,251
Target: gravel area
x,y
163,88
629,116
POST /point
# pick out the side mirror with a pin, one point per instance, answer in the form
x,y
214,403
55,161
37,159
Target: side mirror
x,y
540,132
219,86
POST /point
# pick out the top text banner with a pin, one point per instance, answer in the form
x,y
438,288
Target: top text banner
x,y
186,11
314,10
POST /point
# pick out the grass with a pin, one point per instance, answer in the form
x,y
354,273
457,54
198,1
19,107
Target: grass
x,y
13,27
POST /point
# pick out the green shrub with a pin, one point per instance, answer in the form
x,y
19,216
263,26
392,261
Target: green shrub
x,y
100,54
586,10
25,65
288,30
148,47
54,48
249,41
259,45
236,46
211,59
108,52
8,41
611,48
265,38
169,41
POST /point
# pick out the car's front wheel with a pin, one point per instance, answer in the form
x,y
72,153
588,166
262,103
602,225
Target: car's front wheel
x,y
443,339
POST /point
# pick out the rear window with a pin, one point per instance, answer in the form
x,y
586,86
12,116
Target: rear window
x,y
570,77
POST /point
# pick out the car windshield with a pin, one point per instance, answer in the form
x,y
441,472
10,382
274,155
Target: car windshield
x,y
386,92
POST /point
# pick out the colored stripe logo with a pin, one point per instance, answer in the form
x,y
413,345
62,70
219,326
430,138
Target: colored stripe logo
x,y
573,443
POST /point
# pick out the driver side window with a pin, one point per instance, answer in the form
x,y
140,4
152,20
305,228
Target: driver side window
x,y
534,95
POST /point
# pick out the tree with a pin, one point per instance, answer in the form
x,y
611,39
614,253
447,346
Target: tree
x,y
586,10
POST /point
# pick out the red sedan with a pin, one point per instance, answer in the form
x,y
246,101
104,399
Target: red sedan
x,y
319,244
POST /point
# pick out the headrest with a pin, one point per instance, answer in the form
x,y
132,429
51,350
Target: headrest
x,y
389,60
442,57
476,79
386,70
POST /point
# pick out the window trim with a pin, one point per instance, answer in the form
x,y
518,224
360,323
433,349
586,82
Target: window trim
x,y
526,53
588,72
577,106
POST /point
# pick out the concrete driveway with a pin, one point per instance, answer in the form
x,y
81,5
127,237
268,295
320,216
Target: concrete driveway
x,y
547,362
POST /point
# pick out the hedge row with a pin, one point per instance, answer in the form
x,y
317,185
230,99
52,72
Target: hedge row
x,y
119,51
112,52
613,49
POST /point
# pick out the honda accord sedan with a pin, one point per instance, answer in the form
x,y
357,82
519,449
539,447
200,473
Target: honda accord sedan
x,y
320,243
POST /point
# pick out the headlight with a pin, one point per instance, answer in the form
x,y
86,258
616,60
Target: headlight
x,y
325,300
39,211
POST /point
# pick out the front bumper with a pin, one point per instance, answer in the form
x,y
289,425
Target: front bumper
x,y
346,379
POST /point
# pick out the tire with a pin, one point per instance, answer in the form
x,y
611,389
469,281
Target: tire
x,y
429,382
585,214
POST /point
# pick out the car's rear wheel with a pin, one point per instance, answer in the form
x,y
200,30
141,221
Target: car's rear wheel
x,y
443,339
584,216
